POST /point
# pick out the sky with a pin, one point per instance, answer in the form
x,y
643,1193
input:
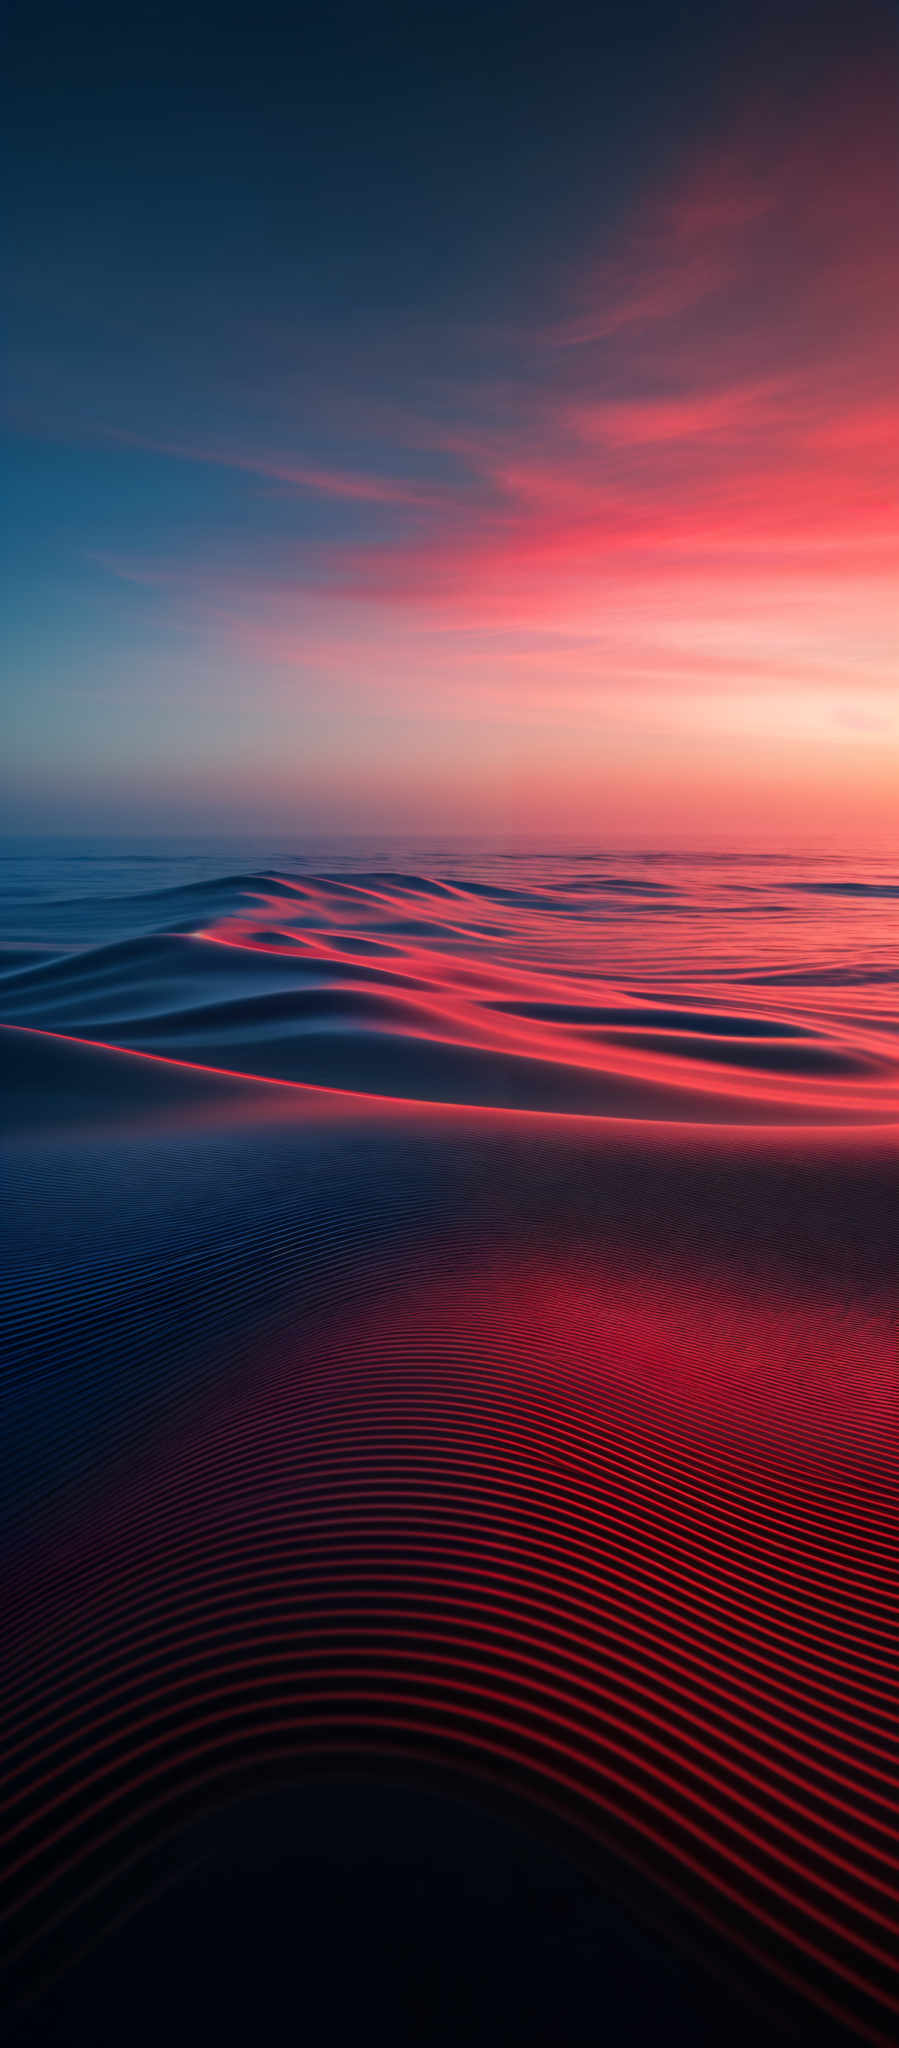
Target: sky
x,y
472,418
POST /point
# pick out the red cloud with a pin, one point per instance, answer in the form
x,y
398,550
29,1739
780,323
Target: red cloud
x,y
686,488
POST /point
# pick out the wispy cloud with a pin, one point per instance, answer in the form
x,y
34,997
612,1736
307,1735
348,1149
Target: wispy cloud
x,y
370,489
675,505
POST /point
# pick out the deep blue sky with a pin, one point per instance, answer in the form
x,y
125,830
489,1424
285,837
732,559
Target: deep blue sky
x,y
309,304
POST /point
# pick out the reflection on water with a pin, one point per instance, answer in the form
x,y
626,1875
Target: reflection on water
x,y
451,1323
726,991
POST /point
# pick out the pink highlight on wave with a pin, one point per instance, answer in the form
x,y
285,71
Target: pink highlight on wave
x,y
518,1520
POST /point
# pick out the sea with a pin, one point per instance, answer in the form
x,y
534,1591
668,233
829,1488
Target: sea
x,y
449,1410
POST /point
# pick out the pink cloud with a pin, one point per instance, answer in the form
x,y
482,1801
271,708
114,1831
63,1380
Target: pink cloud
x,y
700,511
637,422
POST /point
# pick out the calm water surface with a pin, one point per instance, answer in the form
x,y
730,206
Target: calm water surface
x,y
451,1354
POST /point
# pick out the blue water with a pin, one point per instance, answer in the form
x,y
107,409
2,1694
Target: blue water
x,y
449,1414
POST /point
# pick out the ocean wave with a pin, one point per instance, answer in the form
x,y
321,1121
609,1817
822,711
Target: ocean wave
x,y
358,1417
518,995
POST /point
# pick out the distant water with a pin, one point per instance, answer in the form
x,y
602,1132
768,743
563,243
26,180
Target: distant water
x,y
682,990
452,1334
